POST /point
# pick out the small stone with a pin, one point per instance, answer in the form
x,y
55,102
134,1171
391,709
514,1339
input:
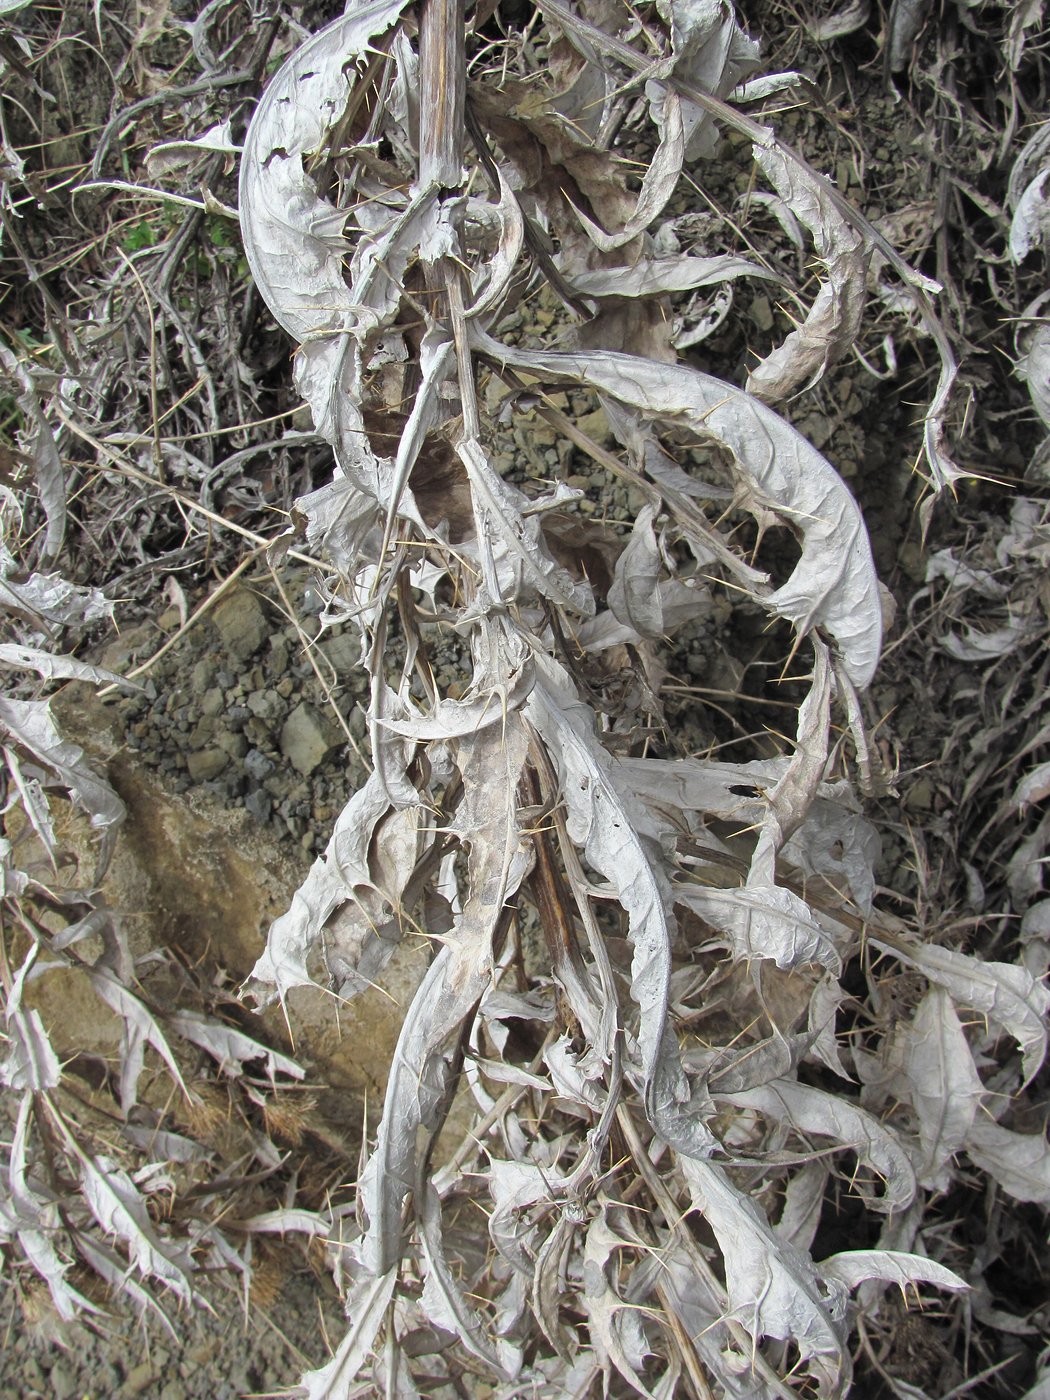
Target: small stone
x,y
213,702
32,1374
919,797
236,745
257,765
202,677
138,1378
284,687
266,705
257,732
305,739
237,716
203,734
344,653
170,620
242,623
206,764
260,805
762,313
596,426
62,1380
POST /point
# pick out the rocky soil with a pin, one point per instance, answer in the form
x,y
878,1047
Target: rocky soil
x,y
238,1348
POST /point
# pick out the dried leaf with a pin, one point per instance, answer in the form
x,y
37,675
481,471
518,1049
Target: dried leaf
x,y
231,1048
605,1307
136,1017
658,183
803,1203
1034,369
501,524
812,1111
1008,995
48,600
763,922
30,1063
34,804
37,437
634,595
331,881
487,821
773,1289
709,51
833,322
840,23
792,796
167,156
292,238
853,1267
121,1211
443,1301
1019,1162
906,20
610,829
52,667
291,1220
30,724
657,276
365,1307
834,585
1030,225
164,1146
946,1088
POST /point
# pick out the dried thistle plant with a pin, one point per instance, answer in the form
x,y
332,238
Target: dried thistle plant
x,y
638,1091
651,1209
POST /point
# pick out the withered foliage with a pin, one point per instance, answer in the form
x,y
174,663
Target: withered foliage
x,y
669,1041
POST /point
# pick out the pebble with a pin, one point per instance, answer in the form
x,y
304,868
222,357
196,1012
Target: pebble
x,y
236,745
32,1374
266,704
203,734
343,652
206,764
62,1381
241,622
260,805
139,1378
305,739
761,313
257,765
202,677
596,426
